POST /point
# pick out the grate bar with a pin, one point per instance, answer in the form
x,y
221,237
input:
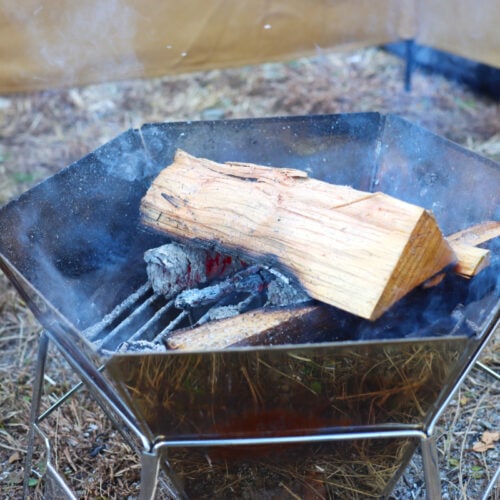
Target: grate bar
x,y
127,321
93,332
163,334
152,321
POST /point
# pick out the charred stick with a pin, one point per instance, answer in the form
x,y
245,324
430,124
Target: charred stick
x,y
249,280
223,311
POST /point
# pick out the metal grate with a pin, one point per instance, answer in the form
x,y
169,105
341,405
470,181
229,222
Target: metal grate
x,y
145,318
142,320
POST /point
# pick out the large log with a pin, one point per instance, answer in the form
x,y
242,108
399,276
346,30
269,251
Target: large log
x,y
358,251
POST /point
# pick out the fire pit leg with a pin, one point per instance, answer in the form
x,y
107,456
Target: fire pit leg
x,y
431,468
150,465
35,407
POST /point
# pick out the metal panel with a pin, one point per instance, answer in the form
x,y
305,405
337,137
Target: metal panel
x,y
287,390
460,187
335,148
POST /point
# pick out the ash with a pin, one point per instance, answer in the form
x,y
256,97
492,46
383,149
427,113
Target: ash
x,y
142,346
174,267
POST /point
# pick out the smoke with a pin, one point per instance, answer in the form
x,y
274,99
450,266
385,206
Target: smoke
x,y
79,41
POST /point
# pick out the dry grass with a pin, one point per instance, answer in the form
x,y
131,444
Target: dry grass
x,y
166,390
45,131
315,394
327,470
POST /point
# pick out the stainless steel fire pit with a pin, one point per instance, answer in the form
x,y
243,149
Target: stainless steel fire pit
x,y
335,418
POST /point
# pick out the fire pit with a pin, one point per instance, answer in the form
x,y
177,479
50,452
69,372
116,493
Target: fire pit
x,y
338,416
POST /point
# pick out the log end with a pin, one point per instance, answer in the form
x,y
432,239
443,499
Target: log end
x,y
471,260
426,253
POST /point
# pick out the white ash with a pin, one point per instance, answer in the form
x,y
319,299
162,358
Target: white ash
x,y
142,346
221,312
195,297
281,292
228,311
248,280
173,267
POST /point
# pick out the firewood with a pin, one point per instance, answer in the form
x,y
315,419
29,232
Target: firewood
x,y
475,235
471,259
358,251
258,327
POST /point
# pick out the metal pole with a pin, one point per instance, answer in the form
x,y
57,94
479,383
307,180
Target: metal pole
x,y
150,465
431,468
493,485
487,370
64,398
43,345
55,486
409,53
307,438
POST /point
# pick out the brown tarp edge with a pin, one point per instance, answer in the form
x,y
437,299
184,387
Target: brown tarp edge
x,y
62,43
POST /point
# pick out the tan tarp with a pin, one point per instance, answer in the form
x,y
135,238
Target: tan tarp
x,y
52,43
468,28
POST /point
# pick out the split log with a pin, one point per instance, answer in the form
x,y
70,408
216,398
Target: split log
x,y
470,258
358,251
259,327
477,234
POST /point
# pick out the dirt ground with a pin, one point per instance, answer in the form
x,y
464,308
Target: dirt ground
x,y
44,131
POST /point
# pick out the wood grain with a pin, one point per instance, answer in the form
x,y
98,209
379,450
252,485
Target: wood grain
x,y
260,327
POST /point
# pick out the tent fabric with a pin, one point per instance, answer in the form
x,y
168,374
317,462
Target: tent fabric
x,y
465,28
55,43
